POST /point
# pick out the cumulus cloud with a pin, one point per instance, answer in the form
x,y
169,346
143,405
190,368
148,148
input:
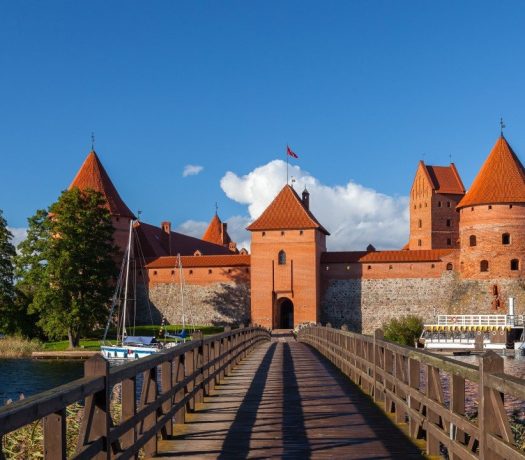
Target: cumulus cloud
x,y
354,215
191,170
19,235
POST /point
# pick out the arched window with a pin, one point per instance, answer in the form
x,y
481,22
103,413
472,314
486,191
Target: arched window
x,y
420,223
449,266
472,240
484,266
514,264
282,257
505,238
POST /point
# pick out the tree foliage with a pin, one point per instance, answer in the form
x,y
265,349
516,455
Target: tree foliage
x,y
68,265
7,292
404,330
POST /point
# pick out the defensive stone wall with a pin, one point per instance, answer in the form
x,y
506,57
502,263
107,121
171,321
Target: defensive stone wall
x,y
366,304
213,304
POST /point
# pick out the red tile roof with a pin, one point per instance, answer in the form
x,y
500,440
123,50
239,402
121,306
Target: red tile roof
x,y
286,211
155,243
213,233
431,255
233,260
501,179
92,175
444,179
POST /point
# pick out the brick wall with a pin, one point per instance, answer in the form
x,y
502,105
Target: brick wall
x,y
488,223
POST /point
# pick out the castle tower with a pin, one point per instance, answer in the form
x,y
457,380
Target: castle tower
x,y
217,233
92,175
434,222
286,246
492,218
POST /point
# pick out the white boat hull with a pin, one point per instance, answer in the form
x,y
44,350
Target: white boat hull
x,y
127,352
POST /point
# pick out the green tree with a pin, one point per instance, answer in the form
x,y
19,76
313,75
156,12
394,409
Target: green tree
x,y
30,266
404,330
7,292
76,283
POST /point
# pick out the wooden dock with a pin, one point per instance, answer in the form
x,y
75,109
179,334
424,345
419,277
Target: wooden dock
x,y
66,354
285,401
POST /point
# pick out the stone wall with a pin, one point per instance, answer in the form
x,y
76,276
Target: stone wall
x,y
214,304
365,305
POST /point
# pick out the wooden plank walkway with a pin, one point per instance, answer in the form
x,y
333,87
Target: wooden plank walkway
x,y
285,401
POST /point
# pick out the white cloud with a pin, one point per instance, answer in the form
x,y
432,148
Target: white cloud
x,y
191,170
19,235
354,215
192,228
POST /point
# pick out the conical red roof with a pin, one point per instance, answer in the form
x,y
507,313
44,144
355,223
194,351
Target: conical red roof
x,y
501,179
92,175
286,211
213,233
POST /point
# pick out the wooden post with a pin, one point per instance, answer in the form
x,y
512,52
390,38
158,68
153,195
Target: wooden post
x,y
457,406
149,395
166,382
198,357
96,421
492,418
129,409
378,336
189,368
434,392
180,415
414,381
54,436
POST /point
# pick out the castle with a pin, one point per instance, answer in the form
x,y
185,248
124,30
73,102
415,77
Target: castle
x,y
464,255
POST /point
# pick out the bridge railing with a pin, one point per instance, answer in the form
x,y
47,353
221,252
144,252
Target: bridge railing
x,y
172,382
410,384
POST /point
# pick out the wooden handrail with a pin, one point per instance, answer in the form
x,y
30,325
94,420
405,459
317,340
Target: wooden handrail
x,y
392,375
188,372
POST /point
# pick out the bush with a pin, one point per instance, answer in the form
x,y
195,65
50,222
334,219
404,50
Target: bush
x,y
404,330
18,347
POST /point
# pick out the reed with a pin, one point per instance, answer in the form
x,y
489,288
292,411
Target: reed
x,y
18,347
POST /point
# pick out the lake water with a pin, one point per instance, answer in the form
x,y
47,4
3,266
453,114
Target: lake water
x,y
31,376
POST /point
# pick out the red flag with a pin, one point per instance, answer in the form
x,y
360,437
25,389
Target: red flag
x,y
290,153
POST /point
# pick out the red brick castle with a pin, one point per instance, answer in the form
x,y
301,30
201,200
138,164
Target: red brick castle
x,y
464,255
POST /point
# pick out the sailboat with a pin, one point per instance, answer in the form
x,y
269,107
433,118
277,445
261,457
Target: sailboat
x,y
126,346
183,335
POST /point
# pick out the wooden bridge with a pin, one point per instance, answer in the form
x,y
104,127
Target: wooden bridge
x,y
245,394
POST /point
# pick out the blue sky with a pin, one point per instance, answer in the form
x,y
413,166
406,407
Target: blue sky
x,y
361,90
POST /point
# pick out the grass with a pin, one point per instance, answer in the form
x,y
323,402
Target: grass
x,y
93,343
18,347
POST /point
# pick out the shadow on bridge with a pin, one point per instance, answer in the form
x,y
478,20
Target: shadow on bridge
x,y
285,400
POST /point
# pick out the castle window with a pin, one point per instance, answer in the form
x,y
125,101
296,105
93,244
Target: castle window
x,y
369,267
514,264
209,271
472,208
419,205
449,242
155,273
229,270
448,204
191,272
415,207
505,238
448,222
390,267
425,205
472,240
484,266
419,223
300,232
419,242
510,206
449,266
173,272
247,270
348,267
263,233
117,219
281,258
439,204
282,233
433,266
490,206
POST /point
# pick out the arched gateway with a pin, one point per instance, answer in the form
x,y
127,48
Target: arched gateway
x,y
283,314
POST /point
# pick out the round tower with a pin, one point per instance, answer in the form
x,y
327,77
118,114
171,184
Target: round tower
x,y
492,218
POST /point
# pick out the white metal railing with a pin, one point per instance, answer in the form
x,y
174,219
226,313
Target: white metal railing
x,y
480,320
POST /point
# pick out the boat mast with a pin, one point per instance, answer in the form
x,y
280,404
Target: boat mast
x,y
179,261
124,333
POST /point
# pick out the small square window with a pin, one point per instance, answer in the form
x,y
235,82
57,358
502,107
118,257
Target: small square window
x,y
439,204
490,206
282,233
300,232
263,233
191,272
209,271
369,267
